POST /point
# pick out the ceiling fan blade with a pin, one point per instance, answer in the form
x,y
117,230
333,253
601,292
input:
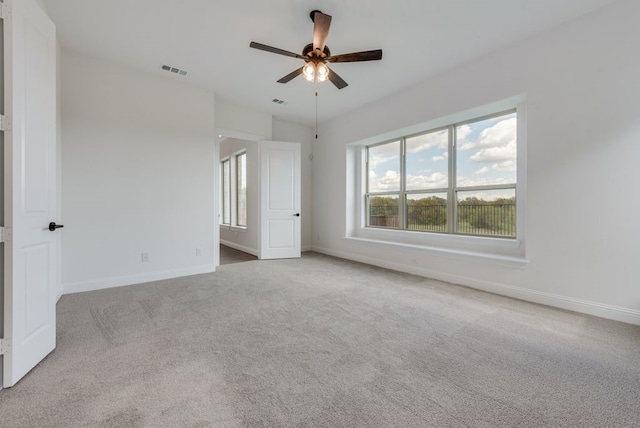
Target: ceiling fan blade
x,y
271,49
337,80
357,56
321,24
291,75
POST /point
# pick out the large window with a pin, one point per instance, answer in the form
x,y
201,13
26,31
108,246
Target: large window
x,y
233,180
458,179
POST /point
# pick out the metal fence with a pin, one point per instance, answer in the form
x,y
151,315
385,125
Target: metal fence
x,y
427,218
473,219
487,219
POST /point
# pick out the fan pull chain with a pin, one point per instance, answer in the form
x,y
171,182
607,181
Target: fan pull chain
x,y
316,109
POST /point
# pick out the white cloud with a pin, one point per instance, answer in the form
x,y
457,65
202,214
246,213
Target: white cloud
x,y
502,153
482,170
390,181
463,132
509,165
385,153
501,134
433,181
438,139
441,157
380,159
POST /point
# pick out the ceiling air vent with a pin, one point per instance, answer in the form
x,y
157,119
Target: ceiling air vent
x,y
174,70
277,101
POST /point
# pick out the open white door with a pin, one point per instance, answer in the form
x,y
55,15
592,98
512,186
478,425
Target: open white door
x,y
31,252
280,200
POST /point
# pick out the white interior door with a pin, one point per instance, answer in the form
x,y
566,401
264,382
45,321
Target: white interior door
x,y
280,200
31,254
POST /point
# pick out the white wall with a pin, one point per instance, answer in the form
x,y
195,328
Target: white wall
x,y
236,118
42,6
247,240
290,132
582,91
138,175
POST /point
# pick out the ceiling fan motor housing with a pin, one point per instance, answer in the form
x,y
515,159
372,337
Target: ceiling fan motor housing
x,y
310,53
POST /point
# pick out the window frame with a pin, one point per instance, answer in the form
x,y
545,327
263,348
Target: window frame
x,y
508,253
452,190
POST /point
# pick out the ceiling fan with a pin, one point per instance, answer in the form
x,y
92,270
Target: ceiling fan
x,y
316,55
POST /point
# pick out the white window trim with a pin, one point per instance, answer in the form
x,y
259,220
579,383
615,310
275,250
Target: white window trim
x,y
508,251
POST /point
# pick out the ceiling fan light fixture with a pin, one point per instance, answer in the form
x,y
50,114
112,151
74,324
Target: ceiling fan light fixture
x,y
309,71
315,72
322,70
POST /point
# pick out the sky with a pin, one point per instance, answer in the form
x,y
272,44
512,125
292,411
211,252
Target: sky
x,y
486,155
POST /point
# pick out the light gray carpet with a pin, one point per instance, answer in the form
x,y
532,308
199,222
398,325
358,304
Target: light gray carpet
x,y
323,342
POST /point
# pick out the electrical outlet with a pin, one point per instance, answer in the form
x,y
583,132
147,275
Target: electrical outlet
x,y
144,257
198,252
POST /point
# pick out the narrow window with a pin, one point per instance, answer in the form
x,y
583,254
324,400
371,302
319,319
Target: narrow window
x,y
485,191
226,191
383,184
241,189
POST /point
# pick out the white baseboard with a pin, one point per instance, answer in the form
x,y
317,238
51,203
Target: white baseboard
x,y
616,313
119,281
239,247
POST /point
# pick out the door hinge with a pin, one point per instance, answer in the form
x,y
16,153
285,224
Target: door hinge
x,y
5,123
5,234
5,346
4,10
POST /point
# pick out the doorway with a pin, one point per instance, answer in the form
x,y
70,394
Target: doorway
x,y
271,225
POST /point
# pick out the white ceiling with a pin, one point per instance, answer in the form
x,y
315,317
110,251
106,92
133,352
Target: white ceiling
x,y
210,39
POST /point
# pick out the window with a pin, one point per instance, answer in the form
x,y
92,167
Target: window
x,y
233,171
226,191
458,179
241,189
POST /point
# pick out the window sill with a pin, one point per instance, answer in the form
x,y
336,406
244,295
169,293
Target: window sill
x,y
233,228
506,252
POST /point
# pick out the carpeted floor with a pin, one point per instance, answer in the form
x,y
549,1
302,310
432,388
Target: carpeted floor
x,y
322,342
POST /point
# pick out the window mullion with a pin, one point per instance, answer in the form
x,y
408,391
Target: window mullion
x,y
451,193
402,199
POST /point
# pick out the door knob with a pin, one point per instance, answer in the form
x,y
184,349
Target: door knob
x,y
53,226
297,214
